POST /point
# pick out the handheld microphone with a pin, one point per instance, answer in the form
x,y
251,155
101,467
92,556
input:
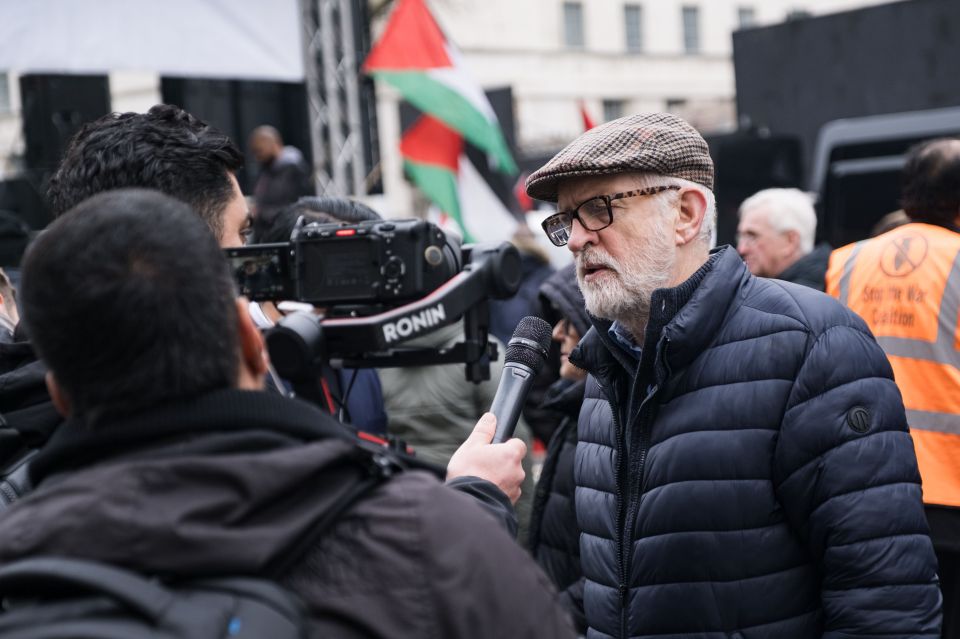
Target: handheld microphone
x,y
526,352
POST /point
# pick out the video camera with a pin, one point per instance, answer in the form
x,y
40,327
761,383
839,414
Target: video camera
x,y
381,283
372,265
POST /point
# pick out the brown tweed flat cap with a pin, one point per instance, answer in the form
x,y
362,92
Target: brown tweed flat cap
x,y
645,142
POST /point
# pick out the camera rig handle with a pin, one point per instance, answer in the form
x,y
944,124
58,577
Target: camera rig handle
x,y
301,342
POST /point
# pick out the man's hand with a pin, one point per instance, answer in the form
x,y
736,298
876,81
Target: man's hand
x,y
497,463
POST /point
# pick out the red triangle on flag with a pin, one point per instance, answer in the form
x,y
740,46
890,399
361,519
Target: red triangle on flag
x,y
430,141
588,122
412,41
520,192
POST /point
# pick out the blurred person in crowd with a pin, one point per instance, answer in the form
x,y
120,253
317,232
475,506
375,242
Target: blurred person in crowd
x,y
355,392
9,315
14,237
315,208
506,314
905,284
284,175
554,539
743,467
889,222
775,237
171,441
534,269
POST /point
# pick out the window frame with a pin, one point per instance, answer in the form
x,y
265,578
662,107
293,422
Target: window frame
x,y
571,8
690,21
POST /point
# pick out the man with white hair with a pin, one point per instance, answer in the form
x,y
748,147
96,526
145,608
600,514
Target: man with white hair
x,y
775,237
743,466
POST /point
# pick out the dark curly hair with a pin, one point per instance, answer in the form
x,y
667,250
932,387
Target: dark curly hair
x,y
166,149
931,182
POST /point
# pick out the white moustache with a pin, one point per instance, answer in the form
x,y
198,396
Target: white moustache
x,y
593,261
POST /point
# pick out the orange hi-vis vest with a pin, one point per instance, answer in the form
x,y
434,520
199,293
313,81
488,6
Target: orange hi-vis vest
x,y
906,285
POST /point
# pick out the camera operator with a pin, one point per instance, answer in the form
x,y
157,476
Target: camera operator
x,y
166,149
174,462
178,154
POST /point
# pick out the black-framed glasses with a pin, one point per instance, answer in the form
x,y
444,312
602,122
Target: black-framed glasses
x,y
594,214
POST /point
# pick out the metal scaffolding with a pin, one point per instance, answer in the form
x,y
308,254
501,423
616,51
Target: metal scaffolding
x,y
331,69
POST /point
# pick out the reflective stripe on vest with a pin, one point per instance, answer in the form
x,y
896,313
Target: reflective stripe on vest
x,y
906,285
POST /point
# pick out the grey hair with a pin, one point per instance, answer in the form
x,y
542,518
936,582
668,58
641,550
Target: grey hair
x,y
787,210
708,228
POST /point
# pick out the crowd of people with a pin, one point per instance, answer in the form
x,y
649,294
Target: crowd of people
x,y
730,450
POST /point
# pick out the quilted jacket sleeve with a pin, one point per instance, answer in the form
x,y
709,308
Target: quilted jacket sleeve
x,y
846,476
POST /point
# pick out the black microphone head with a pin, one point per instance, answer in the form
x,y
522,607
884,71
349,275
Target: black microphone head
x,y
530,343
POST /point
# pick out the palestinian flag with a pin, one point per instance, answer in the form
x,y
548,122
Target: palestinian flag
x,y
416,58
588,122
434,158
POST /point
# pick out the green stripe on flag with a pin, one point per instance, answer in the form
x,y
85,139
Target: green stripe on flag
x,y
457,112
440,186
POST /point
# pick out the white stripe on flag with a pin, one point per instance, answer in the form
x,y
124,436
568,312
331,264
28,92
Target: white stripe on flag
x,y
485,216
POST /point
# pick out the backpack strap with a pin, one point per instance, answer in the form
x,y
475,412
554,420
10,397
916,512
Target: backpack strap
x,y
379,466
44,577
15,480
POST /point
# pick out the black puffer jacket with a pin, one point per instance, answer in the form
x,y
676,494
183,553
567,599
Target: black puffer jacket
x,y
752,476
226,483
554,539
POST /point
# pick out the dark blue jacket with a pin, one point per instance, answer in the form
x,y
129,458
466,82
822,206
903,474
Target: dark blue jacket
x,y
752,476
364,399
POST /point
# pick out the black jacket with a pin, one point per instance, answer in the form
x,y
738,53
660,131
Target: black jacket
x,y
554,540
227,482
811,269
752,476
282,181
27,416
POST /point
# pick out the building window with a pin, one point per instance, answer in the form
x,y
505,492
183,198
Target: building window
x,y
573,25
746,17
5,106
691,29
633,22
673,105
798,14
612,109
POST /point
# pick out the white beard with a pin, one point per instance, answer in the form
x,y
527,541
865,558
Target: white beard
x,y
623,293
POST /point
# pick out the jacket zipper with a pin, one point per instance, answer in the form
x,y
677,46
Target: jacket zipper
x,y
638,450
619,471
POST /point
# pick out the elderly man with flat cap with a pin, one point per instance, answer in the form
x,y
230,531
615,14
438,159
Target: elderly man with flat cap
x,y
744,467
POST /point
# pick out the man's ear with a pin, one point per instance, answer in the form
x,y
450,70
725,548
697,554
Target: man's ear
x,y
59,398
253,352
693,209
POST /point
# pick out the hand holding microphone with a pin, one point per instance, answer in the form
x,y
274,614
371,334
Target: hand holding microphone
x,y
489,453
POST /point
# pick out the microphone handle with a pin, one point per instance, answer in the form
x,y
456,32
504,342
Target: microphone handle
x,y
515,383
